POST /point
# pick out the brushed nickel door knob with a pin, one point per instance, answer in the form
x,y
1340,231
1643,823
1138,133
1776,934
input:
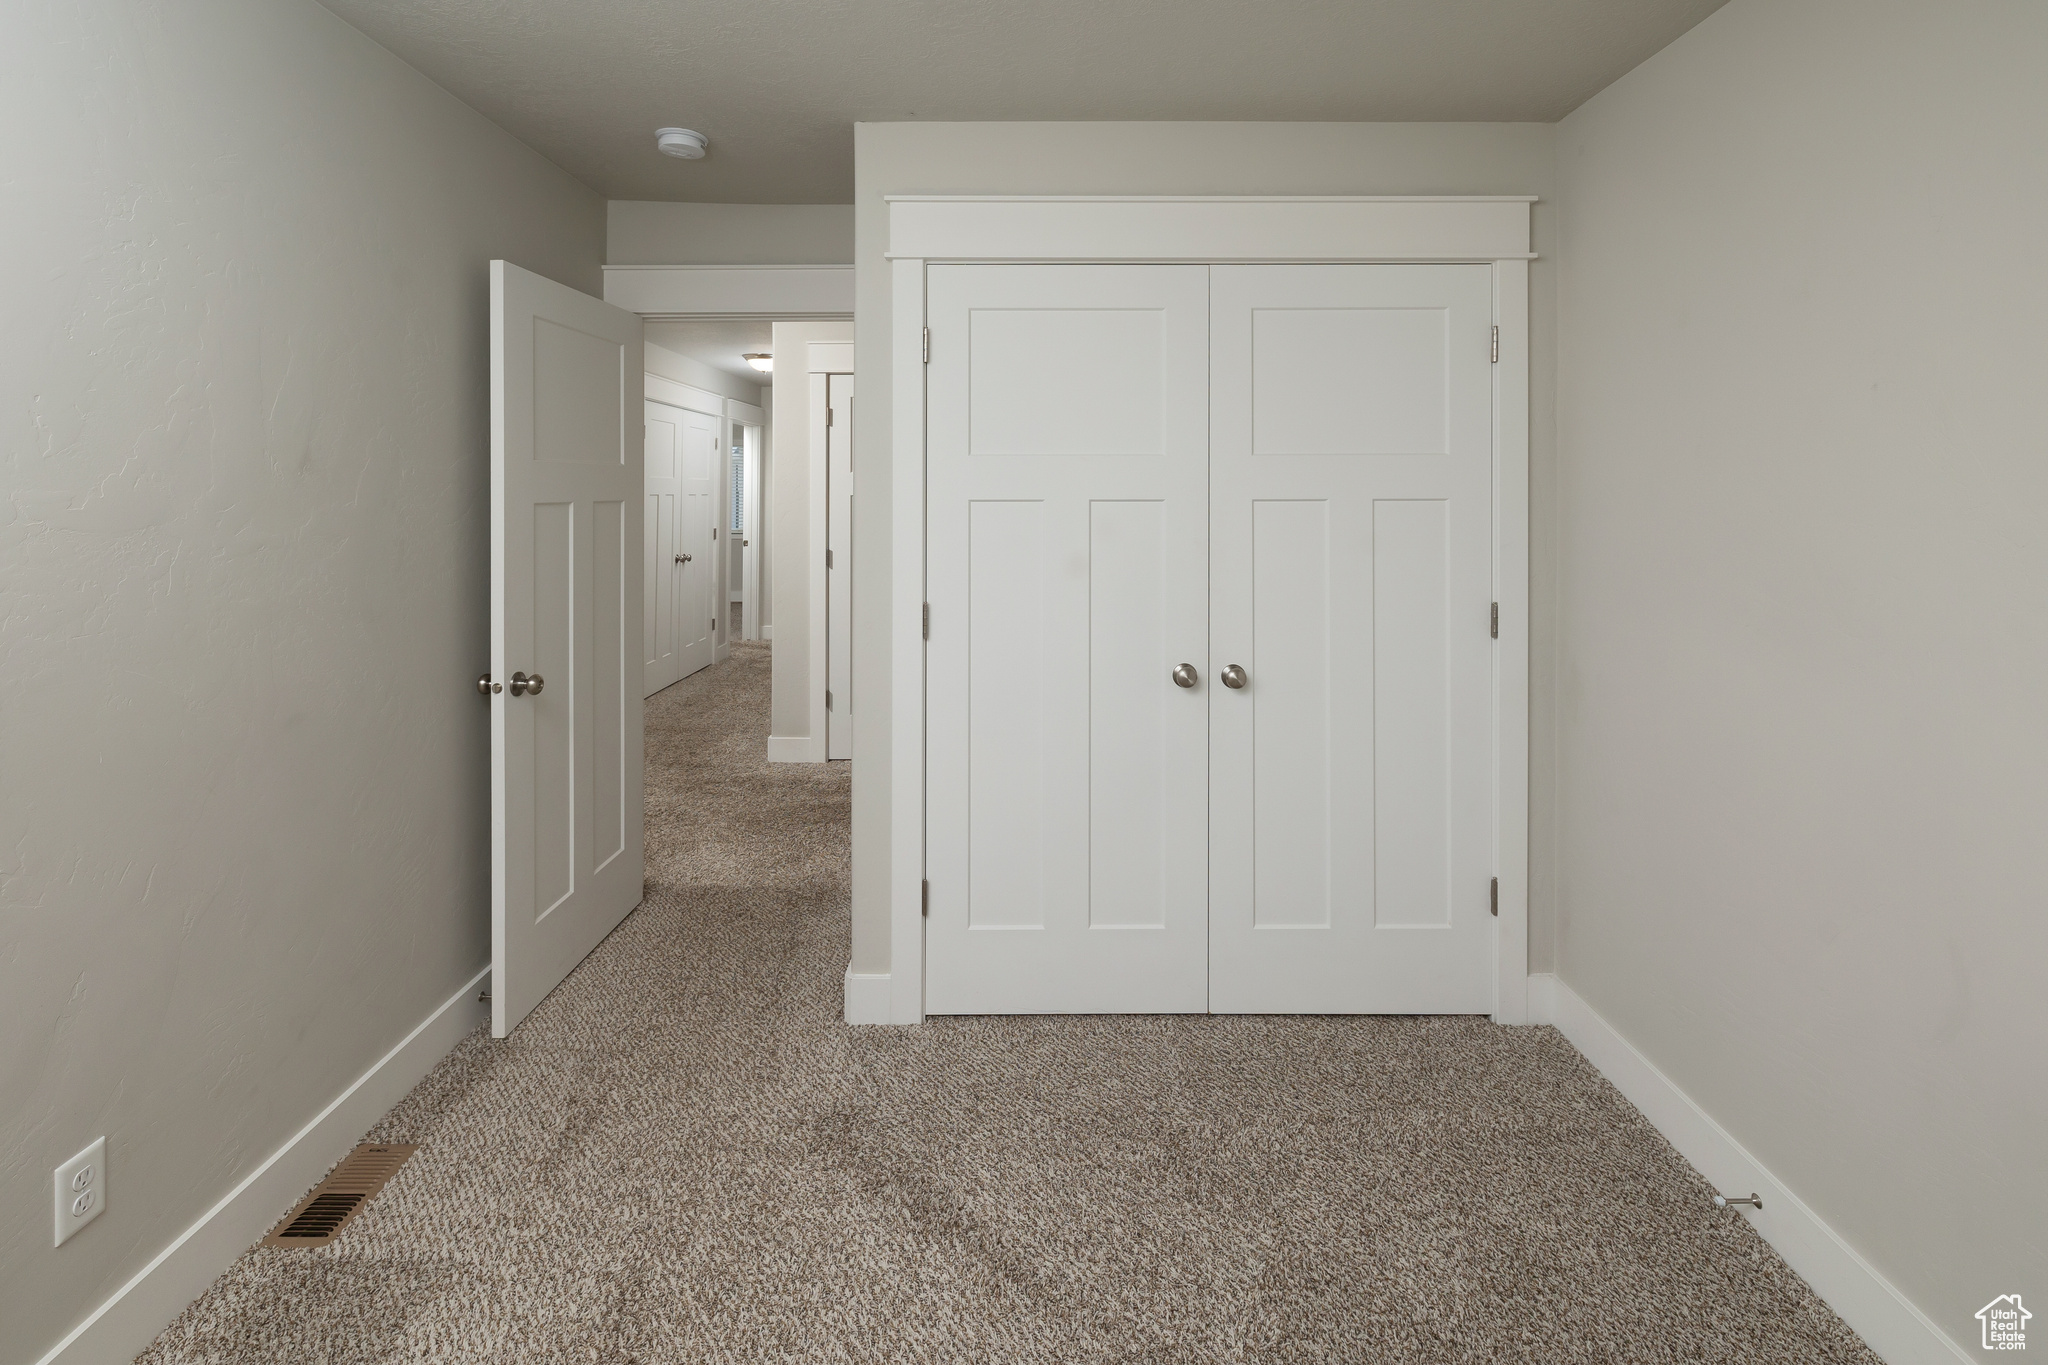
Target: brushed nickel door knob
x,y
1185,676
529,686
1233,676
486,686
682,559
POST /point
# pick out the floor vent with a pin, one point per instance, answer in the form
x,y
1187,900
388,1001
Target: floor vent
x,y
341,1196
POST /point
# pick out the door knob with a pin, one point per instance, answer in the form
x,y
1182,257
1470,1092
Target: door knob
x,y
486,686
682,559
522,683
1185,676
1233,676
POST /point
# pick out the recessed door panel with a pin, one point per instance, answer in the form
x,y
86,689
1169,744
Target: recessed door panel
x,y
1290,656
1411,684
554,733
1128,804
1105,364
1066,771
1006,729
1349,381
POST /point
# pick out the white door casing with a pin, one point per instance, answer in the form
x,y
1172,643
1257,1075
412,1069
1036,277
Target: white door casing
x,y
927,231
566,586
1351,800
660,521
1068,511
839,566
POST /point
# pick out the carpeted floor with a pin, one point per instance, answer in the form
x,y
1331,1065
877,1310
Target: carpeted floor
x,y
684,1156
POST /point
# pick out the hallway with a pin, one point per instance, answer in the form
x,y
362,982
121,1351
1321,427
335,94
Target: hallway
x,y
684,1155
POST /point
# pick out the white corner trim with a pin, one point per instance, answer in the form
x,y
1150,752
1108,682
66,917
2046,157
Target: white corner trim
x,y
867,997
731,291
795,749
123,1326
768,632
1887,1320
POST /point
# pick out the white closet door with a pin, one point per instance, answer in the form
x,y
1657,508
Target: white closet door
x,y
1351,560
1066,450
662,568
839,566
566,750
697,585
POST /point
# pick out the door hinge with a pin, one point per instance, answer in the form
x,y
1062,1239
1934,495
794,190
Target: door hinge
x,y
714,625
1496,898
1496,620
927,620
714,533
1496,345
925,901
927,345
828,559
828,699
828,417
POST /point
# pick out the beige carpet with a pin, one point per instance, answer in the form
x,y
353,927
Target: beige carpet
x,y
684,1156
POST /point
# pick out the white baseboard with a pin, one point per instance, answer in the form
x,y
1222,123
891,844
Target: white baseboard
x,y
867,997
768,632
119,1329
795,749
1886,1319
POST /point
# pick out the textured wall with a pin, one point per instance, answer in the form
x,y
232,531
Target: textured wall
x,y
1171,158
1804,656
644,232
244,477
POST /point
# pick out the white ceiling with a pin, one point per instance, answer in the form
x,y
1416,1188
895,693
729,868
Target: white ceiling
x,y
777,86
718,344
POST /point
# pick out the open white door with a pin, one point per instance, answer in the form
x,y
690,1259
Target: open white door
x,y
566,586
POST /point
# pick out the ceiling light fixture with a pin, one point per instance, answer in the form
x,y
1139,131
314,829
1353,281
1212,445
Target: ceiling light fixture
x,y
761,361
682,142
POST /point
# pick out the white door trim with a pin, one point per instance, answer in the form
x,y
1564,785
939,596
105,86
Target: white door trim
x,y
924,228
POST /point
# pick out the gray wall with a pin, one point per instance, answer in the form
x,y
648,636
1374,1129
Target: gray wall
x,y
1172,158
643,232
796,540
1804,638
684,369
245,481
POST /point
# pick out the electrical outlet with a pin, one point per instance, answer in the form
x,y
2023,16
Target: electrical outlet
x,y
81,1190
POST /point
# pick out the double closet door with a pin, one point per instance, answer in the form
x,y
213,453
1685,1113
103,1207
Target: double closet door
x,y
1210,671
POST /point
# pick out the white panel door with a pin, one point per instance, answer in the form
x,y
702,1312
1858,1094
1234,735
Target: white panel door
x,y
566,579
1066,771
1351,558
697,585
839,566
661,556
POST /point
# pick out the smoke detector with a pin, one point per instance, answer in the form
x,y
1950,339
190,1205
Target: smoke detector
x,y
682,142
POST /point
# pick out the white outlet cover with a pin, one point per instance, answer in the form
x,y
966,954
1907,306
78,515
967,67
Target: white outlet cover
x,y
81,1190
